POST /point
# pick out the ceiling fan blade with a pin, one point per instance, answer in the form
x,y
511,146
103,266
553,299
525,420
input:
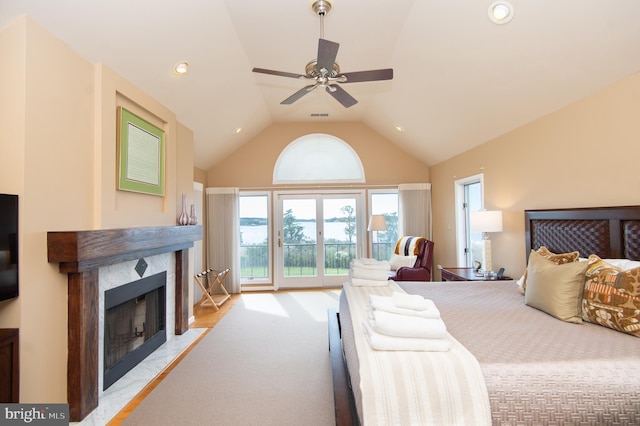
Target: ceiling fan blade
x,y
371,75
300,93
327,52
278,73
341,96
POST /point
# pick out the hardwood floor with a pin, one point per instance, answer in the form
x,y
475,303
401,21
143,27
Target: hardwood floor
x,y
205,317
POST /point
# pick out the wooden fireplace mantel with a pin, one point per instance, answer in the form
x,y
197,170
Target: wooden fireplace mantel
x,y
79,251
80,254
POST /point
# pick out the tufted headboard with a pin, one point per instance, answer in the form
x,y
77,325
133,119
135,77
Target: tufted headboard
x,y
609,232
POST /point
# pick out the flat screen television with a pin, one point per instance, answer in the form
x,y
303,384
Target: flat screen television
x,y
8,246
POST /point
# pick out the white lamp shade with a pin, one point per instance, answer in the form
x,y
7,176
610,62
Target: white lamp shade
x,y
486,221
377,222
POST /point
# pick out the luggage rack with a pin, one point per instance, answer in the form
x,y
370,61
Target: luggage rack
x,y
211,282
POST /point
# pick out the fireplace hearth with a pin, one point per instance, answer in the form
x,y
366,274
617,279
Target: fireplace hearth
x,y
134,325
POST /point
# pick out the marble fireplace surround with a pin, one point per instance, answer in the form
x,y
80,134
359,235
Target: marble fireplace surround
x,y
80,254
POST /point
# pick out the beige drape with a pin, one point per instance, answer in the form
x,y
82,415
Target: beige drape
x,y
222,234
414,209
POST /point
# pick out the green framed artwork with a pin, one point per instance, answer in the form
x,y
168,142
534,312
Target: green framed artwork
x,y
140,154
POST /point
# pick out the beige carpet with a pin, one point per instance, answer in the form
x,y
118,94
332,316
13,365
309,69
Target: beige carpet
x,y
265,363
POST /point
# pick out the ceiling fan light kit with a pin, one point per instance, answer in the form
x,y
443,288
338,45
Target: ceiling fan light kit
x,y
324,70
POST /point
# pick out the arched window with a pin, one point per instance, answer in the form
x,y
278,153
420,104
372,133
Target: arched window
x,y
318,157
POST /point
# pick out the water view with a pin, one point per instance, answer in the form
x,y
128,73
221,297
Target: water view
x,y
256,234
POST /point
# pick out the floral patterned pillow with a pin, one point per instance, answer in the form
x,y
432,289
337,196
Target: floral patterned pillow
x,y
612,296
557,258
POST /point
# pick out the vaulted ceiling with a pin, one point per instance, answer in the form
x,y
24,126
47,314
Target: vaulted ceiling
x,y
459,79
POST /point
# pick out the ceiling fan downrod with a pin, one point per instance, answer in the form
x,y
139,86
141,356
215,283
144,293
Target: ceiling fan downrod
x,y
321,8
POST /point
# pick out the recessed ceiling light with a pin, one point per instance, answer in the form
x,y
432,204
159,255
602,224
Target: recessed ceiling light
x,y
399,128
237,130
181,68
500,12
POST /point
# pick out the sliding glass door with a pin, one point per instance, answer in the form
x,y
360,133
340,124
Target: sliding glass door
x,y
317,235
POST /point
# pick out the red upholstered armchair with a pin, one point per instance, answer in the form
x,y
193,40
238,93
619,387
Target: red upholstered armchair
x,y
421,269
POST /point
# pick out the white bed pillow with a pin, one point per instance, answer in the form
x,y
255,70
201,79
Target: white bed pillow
x,y
398,261
520,284
624,264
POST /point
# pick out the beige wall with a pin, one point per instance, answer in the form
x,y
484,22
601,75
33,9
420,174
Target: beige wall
x,y
117,209
12,133
200,175
584,155
56,193
58,144
252,164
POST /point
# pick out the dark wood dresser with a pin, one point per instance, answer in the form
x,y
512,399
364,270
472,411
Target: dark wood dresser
x,y
9,365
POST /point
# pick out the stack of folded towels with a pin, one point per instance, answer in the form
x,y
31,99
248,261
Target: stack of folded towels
x,y
405,322
369,272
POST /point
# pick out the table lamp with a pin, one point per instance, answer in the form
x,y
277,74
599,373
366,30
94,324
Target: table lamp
x,y
377,223
486,221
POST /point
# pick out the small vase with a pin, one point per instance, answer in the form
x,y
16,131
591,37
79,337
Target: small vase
x,y
193,219
184,217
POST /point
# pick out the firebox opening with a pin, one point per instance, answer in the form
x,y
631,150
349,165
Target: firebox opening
x,y
134,324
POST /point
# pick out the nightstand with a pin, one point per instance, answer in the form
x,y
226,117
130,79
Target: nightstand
x,y
464,274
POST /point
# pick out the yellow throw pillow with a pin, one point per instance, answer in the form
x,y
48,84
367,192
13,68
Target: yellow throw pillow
x,y
612,296
555,289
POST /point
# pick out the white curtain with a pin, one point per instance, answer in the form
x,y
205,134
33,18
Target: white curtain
x,y
222,234
414,209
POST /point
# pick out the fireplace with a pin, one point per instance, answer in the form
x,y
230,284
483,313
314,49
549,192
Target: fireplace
x,y
80,254
134,325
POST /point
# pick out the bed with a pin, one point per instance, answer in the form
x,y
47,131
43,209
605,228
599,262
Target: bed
x,y
537,369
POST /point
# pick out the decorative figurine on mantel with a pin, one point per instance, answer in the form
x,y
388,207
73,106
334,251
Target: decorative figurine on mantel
x,y
183,219
193,219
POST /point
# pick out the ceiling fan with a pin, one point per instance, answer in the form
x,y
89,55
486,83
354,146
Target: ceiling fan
x,y
325,71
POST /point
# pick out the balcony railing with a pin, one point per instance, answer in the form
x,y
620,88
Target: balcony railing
x,y
254,261
382,251
299,259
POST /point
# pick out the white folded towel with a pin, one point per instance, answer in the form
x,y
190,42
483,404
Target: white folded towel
x,y
398,325
381,342
362,282
411,301
368,263
385,303
369,274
